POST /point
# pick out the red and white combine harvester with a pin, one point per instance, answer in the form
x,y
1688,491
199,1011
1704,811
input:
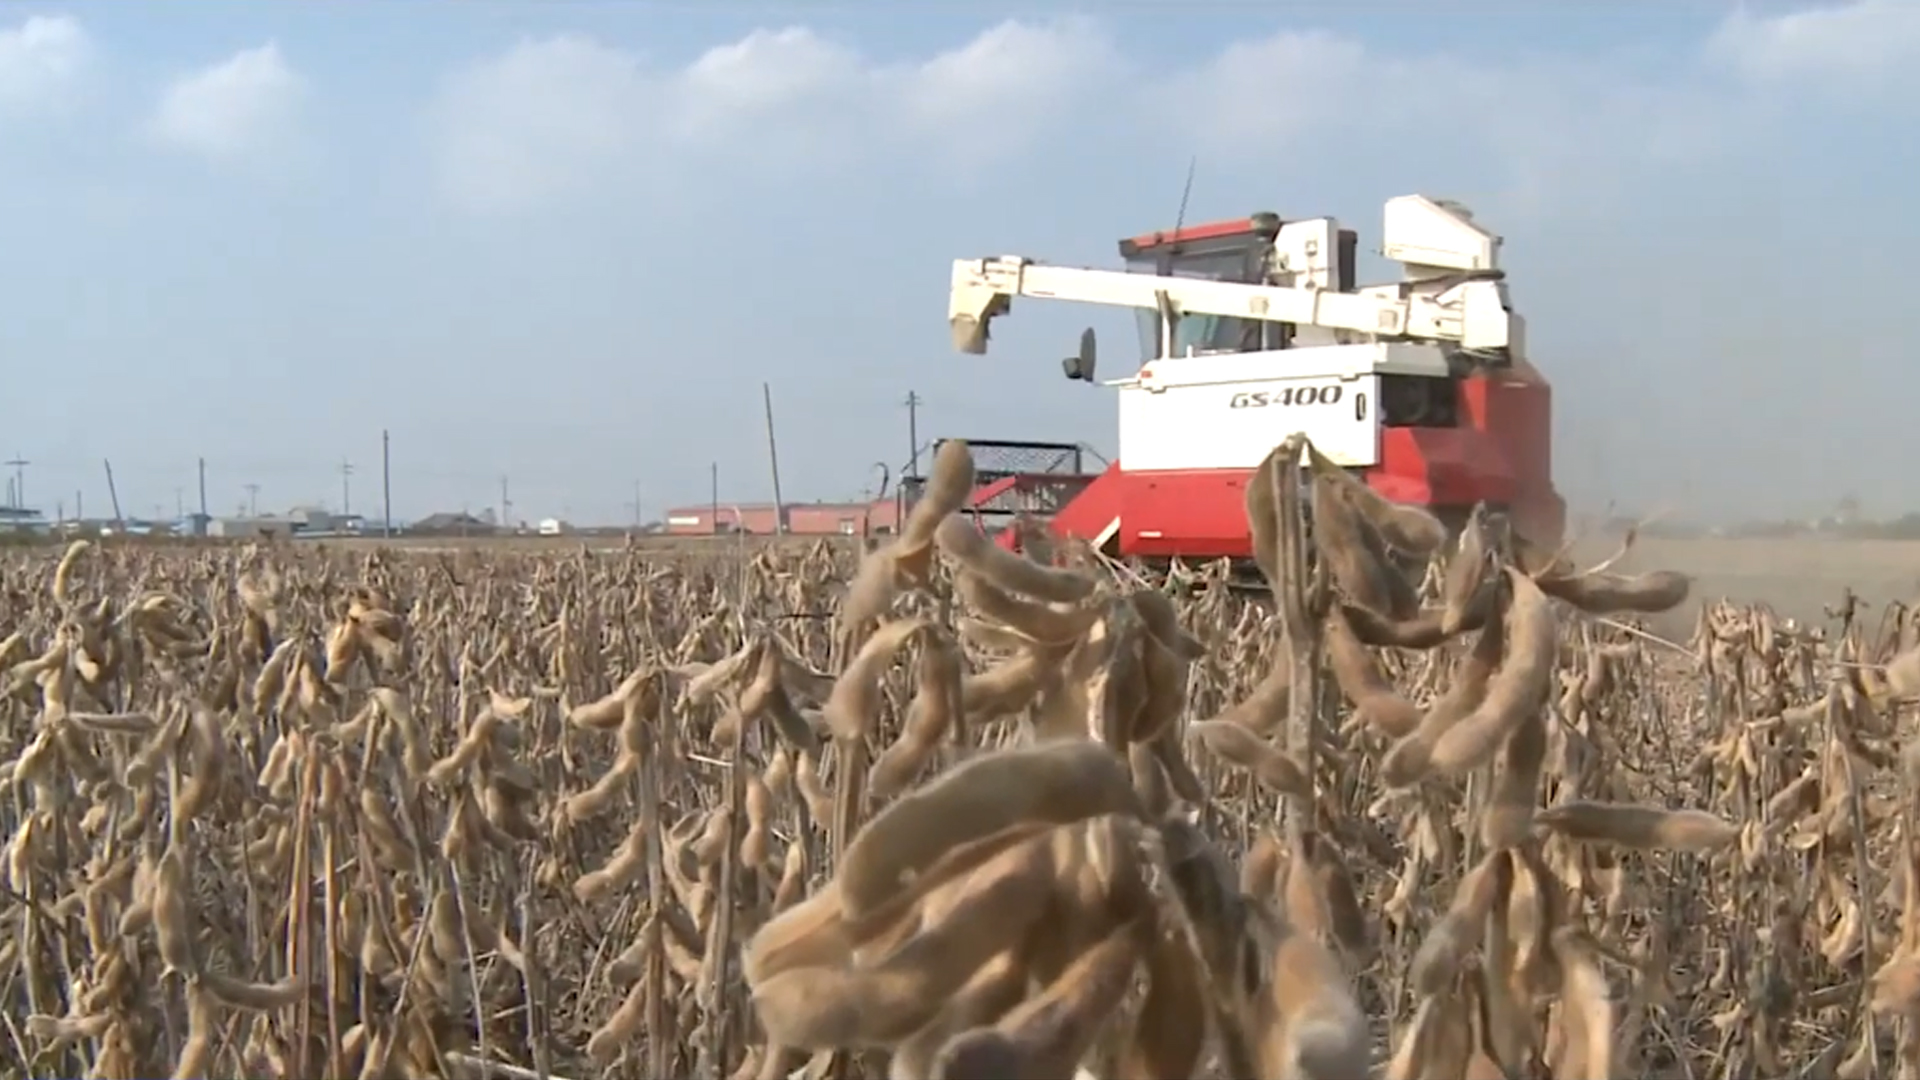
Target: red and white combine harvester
x,y
1253,329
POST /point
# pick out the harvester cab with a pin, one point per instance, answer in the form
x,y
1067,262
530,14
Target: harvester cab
x,y
1255,328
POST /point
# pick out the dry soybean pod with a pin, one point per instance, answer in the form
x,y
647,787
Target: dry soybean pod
x,y
1057,783
1358,675
1517,688
967,545
1643,828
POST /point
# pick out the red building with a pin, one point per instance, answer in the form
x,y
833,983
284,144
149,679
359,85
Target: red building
x,y
846,519
759,519
802,519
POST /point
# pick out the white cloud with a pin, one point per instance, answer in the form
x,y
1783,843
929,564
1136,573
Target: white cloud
x,y
1864,40
238,107
540,121
534,123
1543,130
789,71
1002,89
550,119
774,97
41,60
1287,86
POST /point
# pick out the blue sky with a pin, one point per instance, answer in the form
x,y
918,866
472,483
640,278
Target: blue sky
x,y
565,243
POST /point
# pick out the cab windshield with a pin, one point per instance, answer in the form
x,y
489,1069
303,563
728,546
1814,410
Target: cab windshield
x,y
1201,333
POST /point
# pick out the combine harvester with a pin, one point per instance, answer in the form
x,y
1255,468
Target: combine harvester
x,y
1253,329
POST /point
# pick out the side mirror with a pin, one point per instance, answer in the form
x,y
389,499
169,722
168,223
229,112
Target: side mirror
x,y
1080,365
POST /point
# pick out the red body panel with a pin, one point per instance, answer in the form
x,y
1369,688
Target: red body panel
x,y
1211,230
986,493
1501,454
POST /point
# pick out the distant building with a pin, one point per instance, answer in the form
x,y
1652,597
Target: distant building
x,y
249,528
321,521
298,522
845,519
455,524
800,519
20,519
759,519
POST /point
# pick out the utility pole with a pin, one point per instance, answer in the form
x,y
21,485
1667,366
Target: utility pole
x,y
635,506
906,490
346,487
179,503
506,505
773,460
113,492
79,509
913,434
19,466
386,483
253,500
203,491
714,472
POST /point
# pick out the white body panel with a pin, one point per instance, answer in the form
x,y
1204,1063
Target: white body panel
x,y
1473,313
1227,410
1306,255
1450,289
1436,233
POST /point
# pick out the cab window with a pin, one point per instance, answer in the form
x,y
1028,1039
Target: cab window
x,y
1203,333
